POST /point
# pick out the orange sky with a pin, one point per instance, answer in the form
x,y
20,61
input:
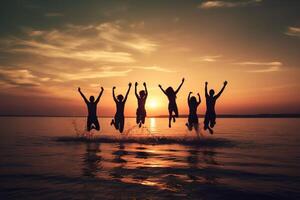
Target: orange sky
x,y
47,51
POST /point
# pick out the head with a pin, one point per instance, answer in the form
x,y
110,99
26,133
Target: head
x,y
120,97
92,98
193,100
142,93
211,92
170,91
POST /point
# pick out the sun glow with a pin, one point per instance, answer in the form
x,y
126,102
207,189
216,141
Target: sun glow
x,y
153,103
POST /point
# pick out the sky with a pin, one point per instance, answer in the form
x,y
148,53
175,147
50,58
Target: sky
x,y
50,48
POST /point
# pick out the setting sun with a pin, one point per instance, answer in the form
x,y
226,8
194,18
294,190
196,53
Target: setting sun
x,y
153,103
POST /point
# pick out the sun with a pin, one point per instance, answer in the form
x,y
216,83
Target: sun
x,y
153,103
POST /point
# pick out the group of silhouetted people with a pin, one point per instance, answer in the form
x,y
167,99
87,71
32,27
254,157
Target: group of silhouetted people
x,y
119,119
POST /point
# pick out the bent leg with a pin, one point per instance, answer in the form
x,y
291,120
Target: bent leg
x,y
97,125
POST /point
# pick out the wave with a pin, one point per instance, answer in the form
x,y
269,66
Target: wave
x,y
210,142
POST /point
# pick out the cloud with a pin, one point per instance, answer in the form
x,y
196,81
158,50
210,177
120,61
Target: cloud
x,y
113,33
19,77
227,4
206,58
293,31
269,69
97,43
274,66
274,63
53,14
95,74
155,68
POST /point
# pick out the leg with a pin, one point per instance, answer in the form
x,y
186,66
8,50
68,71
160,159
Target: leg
x,y
176,110
88,124
116,122
206,121
138,119
213,121
121,127
170,117
97,125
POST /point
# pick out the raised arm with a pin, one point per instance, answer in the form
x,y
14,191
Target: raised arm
x,y
135,89
129,86
114,96
100,94
199,98
179,86
206,93
84,98
221,91
162,89
146,91
188,99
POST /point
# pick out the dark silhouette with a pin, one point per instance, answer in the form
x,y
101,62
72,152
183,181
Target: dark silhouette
x,y
92,120
171,94
193,117
118,121
141,111
210,115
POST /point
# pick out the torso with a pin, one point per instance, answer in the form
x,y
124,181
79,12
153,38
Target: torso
x,y
92,109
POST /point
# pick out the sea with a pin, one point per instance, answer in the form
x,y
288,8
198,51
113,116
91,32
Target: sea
x,y
54,158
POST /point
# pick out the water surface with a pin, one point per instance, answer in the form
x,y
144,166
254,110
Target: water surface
x,y
42,158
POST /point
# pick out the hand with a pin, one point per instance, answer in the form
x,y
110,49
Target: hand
x,y
79,90
206,83
198,94
190,93
144,84
102,88
182,79
159,85
114,87
225,83
129,84
136,83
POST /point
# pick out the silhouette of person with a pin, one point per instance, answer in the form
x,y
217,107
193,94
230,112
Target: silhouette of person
x,y
171,94
141,111
193,117
210,115
120,101
92,120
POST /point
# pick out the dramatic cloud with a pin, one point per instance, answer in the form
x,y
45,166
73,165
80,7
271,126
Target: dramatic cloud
x,y
227,4
293,31
19,77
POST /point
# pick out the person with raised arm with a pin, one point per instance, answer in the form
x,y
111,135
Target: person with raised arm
x,y
92,119
210,115
193,117
141,111
172,107
120,101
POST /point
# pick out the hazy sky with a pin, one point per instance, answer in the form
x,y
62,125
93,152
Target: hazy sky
x,y
49,48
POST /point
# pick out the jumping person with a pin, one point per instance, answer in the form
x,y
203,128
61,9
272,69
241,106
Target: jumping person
x,y
141,111
92,120
171,94
193,117
120,101
210,115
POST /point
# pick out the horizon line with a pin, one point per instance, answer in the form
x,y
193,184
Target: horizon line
x,y
259,115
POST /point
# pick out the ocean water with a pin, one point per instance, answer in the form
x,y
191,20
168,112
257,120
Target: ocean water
x,y
45,158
